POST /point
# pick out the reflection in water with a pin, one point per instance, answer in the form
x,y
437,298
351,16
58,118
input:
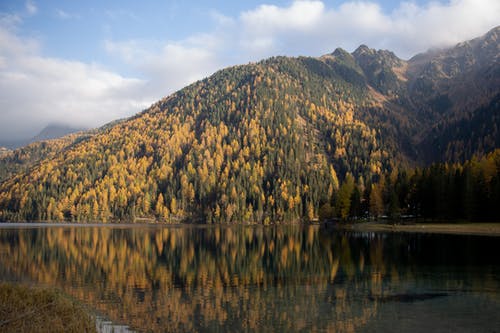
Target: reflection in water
x,y
247,278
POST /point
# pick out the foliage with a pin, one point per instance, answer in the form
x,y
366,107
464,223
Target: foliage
x,y
20,160
253,143
469,191
459,140
285,139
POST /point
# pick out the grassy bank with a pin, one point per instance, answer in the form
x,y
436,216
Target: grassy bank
x,y
27,309
484,229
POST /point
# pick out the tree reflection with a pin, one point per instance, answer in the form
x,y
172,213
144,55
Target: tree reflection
x,y
193,278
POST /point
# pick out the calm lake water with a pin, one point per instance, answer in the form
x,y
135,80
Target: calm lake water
x,y
293,278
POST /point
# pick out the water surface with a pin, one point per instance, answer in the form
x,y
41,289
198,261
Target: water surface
x,y
284,278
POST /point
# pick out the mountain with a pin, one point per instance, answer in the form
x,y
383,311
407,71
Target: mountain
x,y
51,131
269,141
14,144
455,87
54,131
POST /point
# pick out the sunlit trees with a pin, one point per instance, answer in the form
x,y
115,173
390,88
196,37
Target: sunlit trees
x,y
276,141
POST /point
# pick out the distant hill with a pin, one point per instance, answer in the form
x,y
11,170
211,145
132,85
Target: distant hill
x,y
272,141
14,144
51,131
54,131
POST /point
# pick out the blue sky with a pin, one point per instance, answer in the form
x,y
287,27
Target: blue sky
x,y
89,62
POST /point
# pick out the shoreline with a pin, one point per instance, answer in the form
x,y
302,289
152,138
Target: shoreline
x,y
462,228
457,228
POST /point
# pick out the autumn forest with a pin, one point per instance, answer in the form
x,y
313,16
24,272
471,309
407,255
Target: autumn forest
x,y
340,137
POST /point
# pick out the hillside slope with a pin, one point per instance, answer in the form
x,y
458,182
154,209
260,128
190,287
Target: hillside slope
x,y
20,160
257,143
454,89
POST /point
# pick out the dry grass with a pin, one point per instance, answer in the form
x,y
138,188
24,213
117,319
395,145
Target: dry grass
x,y
27,309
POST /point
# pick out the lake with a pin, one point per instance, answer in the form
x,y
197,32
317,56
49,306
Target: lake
x,y
254,278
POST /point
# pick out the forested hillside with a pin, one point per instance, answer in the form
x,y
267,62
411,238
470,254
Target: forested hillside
x,y
19,160
281,140
251,143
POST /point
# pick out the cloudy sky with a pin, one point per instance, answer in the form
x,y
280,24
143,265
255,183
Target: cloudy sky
x,y
86,63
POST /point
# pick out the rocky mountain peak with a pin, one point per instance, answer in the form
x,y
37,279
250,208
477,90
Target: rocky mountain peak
x,y
341,53
363,50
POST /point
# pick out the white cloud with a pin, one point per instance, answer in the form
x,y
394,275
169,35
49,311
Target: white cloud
x,y
64,15
129,51
31,8
436,24
37,90
9,21
300,15
221,19
183,64
309,27
169,67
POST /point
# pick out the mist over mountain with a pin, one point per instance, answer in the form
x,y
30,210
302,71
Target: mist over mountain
x,y
271,141
54,131
51,131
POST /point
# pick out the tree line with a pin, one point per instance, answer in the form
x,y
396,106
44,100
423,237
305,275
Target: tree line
x,y
460,191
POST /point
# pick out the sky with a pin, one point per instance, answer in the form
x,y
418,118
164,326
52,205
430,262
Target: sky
x,y
85,63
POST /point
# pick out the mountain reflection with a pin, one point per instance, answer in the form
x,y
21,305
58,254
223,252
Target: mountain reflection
x,y
213,278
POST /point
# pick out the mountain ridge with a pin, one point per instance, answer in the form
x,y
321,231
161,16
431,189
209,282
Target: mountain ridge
x,y
270,141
